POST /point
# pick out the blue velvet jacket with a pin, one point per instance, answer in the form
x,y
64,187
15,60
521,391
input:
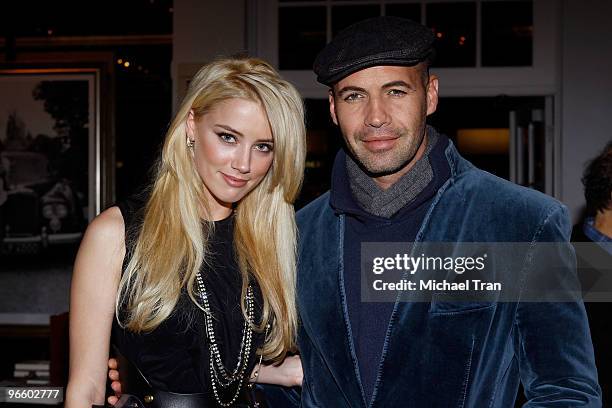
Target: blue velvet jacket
x,y
442,354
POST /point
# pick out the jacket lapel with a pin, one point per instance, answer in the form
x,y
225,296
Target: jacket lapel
x,y
321,293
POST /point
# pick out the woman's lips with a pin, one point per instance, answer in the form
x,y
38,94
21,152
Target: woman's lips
x,y
234,181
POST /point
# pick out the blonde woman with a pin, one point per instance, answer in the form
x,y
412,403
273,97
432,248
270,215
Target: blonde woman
x,y
197,281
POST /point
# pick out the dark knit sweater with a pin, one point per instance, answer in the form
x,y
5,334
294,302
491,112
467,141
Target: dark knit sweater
x,y
369,321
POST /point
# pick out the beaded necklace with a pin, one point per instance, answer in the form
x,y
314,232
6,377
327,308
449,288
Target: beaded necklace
x,y
220,378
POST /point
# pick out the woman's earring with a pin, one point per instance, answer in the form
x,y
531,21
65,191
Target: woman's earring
x,y
190,143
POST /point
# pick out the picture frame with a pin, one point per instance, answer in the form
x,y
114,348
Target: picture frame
x,y
50,156
36,267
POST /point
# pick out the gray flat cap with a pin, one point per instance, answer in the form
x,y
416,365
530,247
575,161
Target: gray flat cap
x,y
375,41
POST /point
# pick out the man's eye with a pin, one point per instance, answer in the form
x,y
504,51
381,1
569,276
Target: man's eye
x,y
396,92
227,138
352,97
264,147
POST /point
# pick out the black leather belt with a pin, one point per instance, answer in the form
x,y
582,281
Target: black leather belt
x,y
140,394
159,399
165,399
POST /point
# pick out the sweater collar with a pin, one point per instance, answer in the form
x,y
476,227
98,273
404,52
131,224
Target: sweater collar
x,y
386,203
343,200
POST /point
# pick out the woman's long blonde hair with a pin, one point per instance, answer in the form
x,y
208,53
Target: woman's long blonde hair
x,y
171,243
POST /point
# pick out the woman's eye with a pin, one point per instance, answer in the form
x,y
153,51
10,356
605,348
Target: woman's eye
x,y
263,147
227,138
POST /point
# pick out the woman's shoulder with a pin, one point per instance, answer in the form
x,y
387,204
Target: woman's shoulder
x,y
107,227
102,249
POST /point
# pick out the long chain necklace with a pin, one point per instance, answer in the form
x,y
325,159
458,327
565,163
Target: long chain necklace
x,y
220,378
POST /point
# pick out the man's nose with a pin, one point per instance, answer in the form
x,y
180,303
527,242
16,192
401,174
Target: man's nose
x,y
242,160
377,115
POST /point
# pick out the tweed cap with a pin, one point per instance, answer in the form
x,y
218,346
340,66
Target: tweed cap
x,y
376,41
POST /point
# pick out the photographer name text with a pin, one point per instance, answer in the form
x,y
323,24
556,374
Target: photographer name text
x,y
436,285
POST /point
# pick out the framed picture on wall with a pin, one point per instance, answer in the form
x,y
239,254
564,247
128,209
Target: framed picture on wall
x,y
50,157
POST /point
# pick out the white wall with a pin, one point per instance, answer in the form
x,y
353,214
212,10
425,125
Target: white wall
x,y
203,30
586,90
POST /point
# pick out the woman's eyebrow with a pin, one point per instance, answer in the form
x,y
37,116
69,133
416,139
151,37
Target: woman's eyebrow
x,y
229,129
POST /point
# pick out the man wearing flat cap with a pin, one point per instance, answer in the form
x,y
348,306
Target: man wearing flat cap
x,y
400,181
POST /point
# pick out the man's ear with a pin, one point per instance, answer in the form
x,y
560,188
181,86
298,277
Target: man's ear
x,y
332,107
432,94
190,126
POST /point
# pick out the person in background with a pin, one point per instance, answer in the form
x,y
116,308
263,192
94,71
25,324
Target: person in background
x,y
596,229
597,181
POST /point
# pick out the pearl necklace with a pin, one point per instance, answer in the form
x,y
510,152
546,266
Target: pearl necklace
x,y
220,378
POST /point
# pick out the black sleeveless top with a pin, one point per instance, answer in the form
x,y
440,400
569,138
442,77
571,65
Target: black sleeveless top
x,y
175,356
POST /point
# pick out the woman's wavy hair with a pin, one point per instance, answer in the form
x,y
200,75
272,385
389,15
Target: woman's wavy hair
x,y
171,244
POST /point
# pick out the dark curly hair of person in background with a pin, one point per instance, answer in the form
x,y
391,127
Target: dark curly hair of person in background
x,y
597,180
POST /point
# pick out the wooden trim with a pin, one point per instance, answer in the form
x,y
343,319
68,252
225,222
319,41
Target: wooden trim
x,y
100,40
19,331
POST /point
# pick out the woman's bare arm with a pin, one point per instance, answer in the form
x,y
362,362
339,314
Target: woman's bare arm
x,y
288,374
95,279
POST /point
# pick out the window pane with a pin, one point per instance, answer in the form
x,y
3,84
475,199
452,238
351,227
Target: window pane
x,y
301,35
323,142
110,17
455,28
344,16
507,33
411,11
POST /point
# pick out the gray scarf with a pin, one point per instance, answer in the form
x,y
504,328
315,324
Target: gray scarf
x,y
385,203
